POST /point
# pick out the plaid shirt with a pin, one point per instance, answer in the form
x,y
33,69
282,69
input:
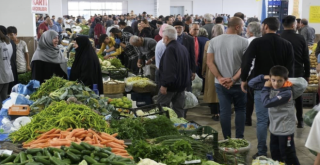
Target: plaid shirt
x,y
131,51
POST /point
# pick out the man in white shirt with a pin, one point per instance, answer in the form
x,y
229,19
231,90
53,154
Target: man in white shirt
x,y
23,62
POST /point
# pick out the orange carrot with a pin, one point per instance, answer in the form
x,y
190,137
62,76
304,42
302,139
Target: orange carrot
x,y
115,135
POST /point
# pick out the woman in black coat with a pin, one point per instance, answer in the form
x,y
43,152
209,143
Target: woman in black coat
x,y
48,60
86,66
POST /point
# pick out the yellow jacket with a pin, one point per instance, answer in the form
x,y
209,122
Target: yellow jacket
x,y
111,44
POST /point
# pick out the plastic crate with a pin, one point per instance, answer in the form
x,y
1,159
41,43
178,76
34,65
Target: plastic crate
x,y
309,99
118,113
146,109
142,99
118,74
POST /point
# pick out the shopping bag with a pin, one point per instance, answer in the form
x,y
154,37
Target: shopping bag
x,y
310,115
197,85
191,100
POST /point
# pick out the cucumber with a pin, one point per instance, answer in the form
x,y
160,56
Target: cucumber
x,y
23,157
116,163
46,152
34,163
86,152
42,157
39,154
77,146
102,155
111,157
106,151
98,149
57,155
4,156
75,151
99,164
30,158
8,159
96,158
56,161
33,151
87,146
43,161
89,159
73,157
66,161
104,160
17,159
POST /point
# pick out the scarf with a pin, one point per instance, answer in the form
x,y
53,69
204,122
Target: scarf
x,y
47,52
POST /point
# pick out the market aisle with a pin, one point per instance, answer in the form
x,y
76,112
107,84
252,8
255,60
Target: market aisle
x,y
202,116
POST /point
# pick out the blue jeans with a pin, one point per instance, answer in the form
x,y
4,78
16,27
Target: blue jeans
x,y
226,98
262,123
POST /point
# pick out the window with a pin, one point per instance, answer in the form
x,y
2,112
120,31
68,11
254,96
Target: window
x,y
87,9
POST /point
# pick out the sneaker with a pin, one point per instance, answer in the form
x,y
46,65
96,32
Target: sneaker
x,y
257,155
300,124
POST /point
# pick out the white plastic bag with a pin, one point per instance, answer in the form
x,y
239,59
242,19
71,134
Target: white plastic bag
x,y
299,86
191,100
197,85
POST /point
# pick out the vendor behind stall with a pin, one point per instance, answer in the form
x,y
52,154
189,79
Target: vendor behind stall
x,y
86,66
48,60
111,51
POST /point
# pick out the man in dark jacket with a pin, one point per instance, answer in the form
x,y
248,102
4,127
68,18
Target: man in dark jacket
x,y
301,57
268,51
174,72
188,42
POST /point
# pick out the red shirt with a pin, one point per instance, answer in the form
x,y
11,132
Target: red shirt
x,y
43,26
158,38
196,49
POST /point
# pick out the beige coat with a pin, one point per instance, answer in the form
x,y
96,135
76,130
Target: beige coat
x,y
210,94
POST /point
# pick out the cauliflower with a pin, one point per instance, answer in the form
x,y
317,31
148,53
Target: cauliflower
x,y
140,113
148,161
100,61
106,63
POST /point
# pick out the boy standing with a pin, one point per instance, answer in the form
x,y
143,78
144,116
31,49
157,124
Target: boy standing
x,y
276,95
23,62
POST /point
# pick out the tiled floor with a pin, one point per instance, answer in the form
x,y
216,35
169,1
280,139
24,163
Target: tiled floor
x,y
201,115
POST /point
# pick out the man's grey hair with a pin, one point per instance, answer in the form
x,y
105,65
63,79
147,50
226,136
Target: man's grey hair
x,y
59,18
208,17
170,32
134,39
190,26
255,28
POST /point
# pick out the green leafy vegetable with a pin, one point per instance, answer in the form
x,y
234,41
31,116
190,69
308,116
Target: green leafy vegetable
x,y
234,143
24,78
49,86
62,116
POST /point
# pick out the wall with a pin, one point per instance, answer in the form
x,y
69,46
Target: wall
x,y
55,8
139,6
64,7
25,23
188,5
305,12
163,7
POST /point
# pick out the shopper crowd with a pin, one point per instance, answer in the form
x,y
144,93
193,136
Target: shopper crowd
x,y
227,52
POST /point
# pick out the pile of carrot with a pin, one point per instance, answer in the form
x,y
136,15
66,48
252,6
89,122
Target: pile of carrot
x,y
57,138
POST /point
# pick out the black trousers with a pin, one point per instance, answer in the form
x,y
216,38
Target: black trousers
x,y
299,108
280,151
250,104
215,108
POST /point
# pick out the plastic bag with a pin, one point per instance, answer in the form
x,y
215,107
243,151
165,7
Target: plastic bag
x,y
197,85
191,100
299,86
28,89
310,115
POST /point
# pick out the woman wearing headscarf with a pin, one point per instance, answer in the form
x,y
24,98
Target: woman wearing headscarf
x,y
13,60
48,60
86,66
98,31
210,94
6,75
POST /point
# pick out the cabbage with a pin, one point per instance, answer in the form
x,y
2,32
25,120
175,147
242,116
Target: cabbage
x,y
106,63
